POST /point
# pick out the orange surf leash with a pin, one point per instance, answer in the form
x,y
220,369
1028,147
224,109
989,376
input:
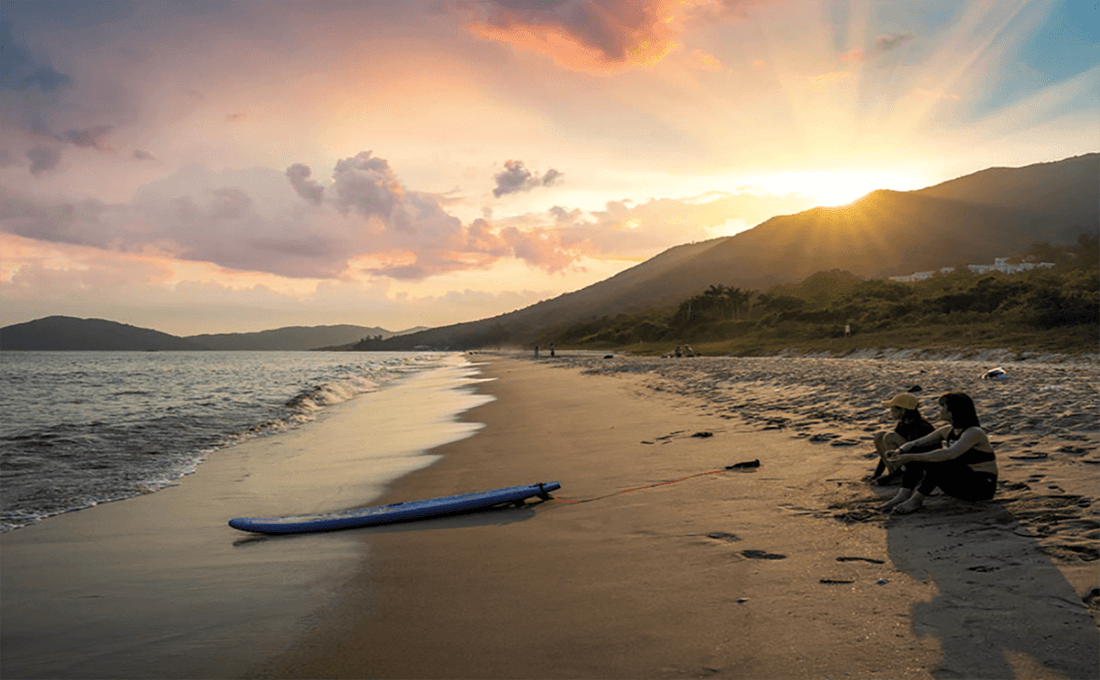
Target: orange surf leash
x,y
746,466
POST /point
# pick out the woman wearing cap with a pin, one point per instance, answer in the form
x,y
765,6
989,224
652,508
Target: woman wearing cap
x,y
905,409
966,468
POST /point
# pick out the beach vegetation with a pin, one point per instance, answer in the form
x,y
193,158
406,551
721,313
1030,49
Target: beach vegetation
x,y
1046,309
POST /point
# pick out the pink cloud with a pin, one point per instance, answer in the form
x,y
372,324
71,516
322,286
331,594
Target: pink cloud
x,y
595,36
516,177
364,221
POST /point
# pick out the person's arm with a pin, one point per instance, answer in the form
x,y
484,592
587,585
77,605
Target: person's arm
x,y
928,440
969,439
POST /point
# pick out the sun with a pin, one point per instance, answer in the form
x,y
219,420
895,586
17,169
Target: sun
x,y
833,189
829,188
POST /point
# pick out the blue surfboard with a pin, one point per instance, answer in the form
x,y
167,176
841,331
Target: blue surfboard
x,y
398,512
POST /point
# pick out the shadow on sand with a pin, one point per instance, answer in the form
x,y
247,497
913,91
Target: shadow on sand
x,y
1003,608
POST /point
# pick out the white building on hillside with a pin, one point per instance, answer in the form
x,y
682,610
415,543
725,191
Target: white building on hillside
x,y
920,276
1000,264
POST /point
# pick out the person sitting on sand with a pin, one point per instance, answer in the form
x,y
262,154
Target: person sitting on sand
x,y
966,468
905,410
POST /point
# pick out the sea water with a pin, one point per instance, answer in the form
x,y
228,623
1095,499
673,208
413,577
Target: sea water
x,y
82,428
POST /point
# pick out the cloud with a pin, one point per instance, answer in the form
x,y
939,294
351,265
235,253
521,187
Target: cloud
x,y
882,45
29,85
43,158
307,188
38,280
21,71
624,230
38,99
143,155
366,221
516,177
91,138
366,185
408,234
596,36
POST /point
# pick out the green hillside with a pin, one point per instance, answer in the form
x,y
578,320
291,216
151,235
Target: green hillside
x,y
1055,310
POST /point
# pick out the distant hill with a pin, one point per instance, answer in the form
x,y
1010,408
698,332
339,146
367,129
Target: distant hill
x,y
58,333
291,338
973,219
66,333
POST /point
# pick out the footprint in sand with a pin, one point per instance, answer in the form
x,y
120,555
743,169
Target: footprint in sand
x,y
860,559
762,555
723,536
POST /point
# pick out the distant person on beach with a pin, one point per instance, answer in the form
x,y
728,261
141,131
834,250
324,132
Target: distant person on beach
x,y
536,351
966,468
905,410
552,350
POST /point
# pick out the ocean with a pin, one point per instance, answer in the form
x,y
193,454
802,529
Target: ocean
x,y
82,428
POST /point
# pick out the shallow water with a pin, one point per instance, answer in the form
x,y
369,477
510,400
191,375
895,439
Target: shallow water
x,y
82,428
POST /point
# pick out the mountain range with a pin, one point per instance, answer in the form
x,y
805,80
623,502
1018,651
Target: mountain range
x,y
57,333
998,212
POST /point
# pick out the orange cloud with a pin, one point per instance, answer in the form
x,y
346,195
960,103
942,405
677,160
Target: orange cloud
x,y
594,36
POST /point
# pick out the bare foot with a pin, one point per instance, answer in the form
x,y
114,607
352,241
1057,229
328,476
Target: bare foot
x,y
908,507
902,496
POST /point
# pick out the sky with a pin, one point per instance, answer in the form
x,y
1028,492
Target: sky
x,y
211,167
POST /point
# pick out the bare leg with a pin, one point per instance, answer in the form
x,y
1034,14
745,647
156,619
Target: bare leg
x,y
886,441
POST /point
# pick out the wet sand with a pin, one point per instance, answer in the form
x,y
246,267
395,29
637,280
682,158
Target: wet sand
x,y
160,587
785,570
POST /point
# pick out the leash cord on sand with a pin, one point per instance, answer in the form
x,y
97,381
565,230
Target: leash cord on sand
x,y
737,466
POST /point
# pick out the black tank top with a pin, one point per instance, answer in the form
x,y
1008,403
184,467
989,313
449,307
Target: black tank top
x,y
972,456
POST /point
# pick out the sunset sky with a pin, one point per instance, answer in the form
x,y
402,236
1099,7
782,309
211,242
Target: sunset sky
x,y
237,166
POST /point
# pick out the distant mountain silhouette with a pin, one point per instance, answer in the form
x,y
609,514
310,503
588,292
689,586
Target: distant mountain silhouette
x,y
56,333
997,212
290,338
66,333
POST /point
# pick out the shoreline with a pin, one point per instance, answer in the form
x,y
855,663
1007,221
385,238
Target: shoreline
x,y
785,571
159,586
780,571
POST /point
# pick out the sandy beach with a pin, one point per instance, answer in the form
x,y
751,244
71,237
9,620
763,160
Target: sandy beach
x,y
654,560
782,571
